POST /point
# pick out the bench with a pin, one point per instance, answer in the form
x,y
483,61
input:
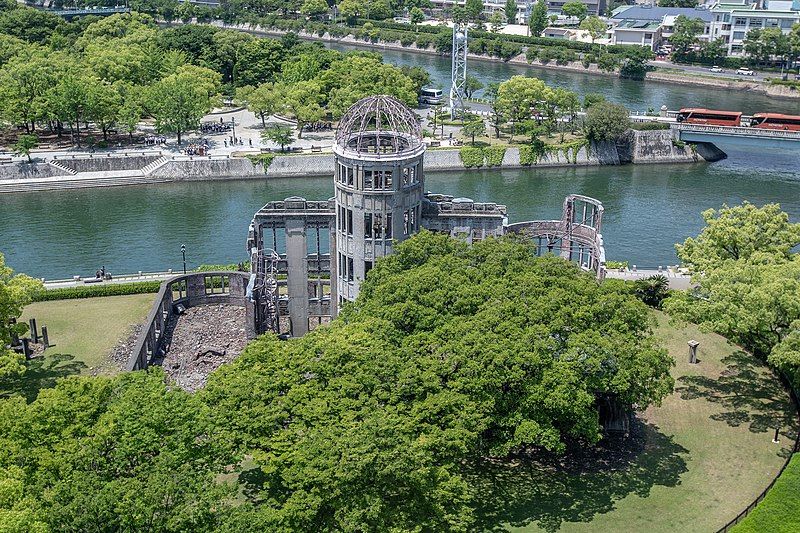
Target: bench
x,y
316,149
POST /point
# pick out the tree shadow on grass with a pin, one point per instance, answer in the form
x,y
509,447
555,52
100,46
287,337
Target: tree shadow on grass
x,y
576,487
745,396
41,373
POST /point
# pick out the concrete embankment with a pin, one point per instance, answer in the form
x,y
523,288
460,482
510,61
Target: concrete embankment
x,y
640,147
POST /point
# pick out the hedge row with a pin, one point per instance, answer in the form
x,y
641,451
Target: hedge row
x,y
92,291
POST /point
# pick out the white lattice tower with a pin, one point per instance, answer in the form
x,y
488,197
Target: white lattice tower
x,y
458,70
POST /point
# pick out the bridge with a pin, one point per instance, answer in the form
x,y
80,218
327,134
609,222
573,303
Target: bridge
x,y
702,133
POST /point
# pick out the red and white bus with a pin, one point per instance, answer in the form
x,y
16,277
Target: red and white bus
x,y
775,121
710,117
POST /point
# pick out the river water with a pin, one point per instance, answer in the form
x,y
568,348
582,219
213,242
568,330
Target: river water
x,y
648,208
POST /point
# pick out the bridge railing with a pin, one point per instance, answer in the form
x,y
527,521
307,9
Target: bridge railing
x,y
737,130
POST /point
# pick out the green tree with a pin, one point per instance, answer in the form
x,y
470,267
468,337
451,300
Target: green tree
x,y
497,117
747,281
442,358
595,26
747,232
179,101
417,16
280,135
474,10
472,85
314,8
590,99
606,122
767,45
25,143
92,432
686,35
538,19
519,96
576,9
677,3
635,62
418,75
267,99
303,102
496,22
16,291
652,290
473,129
131,110
510,11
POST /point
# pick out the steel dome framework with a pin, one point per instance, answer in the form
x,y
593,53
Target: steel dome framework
x,y
377,124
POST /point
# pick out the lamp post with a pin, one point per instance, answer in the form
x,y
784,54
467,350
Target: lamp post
x,y
183,252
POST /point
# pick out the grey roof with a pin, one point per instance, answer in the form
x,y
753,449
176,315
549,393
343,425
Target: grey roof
x,y
658,13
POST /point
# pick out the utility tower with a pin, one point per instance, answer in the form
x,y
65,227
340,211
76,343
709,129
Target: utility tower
x,y
459,70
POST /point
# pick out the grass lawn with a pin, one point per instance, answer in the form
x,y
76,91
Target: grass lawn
x,y
780,510
83,333
704,455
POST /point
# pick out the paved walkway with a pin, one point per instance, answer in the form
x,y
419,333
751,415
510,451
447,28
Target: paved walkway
x,y
676,280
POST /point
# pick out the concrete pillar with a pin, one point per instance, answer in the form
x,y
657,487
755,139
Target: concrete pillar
x,y
297,275
34,330
45,338
693,344
26,348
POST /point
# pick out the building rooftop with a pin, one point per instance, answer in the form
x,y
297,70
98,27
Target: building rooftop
x,y
658,13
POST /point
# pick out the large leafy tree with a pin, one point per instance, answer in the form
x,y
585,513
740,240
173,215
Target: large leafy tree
x,y
686,34
576,9
128,454
747,281
451,352
595,26
16,291
606,122
538,19
518,96
179,101
510,11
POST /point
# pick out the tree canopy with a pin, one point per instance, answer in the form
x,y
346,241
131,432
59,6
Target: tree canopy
x,y
452,353
748,281
16,291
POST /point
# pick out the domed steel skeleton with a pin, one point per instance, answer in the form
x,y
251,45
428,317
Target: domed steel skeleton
x,y
377,124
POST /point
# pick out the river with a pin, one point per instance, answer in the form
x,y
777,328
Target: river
x,y
648,208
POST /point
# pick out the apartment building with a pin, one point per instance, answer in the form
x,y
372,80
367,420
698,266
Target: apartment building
x,y
733,20
649,26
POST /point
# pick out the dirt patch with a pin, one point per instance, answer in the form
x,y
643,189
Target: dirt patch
x,y
200,340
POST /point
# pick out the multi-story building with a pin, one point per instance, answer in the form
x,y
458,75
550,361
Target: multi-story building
x,y
733,20
649,26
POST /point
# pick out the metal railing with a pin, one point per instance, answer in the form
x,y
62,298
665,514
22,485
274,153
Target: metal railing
x,y
739,131
795,448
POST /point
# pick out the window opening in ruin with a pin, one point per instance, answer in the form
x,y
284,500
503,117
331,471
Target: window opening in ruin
x,y
349,221
387,229
368,229
367,267
179,290
216,284
349,269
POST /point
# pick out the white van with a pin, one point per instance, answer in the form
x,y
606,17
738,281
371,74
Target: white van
x,y
430,96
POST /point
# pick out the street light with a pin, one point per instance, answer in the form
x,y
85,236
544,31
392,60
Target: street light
x,y
183,252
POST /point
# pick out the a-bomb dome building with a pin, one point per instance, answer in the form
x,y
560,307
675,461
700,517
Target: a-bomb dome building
x,y
307,257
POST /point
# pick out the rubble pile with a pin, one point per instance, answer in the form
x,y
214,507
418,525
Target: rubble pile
x,y
121,353
202,339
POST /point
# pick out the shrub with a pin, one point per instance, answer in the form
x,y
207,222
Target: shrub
x,y
407,39
494,155
608,62
92,291
265,160
424,41
652,290
649,126
471,157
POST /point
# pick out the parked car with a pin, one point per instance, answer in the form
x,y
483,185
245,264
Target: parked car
x,y
715,68
744,71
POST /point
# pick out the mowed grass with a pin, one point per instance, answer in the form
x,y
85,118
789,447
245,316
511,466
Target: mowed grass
x,y
707,452
780,510
82,333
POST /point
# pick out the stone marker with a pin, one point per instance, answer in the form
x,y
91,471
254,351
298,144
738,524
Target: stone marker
x,y
45,338
693,344
34,330
776,440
